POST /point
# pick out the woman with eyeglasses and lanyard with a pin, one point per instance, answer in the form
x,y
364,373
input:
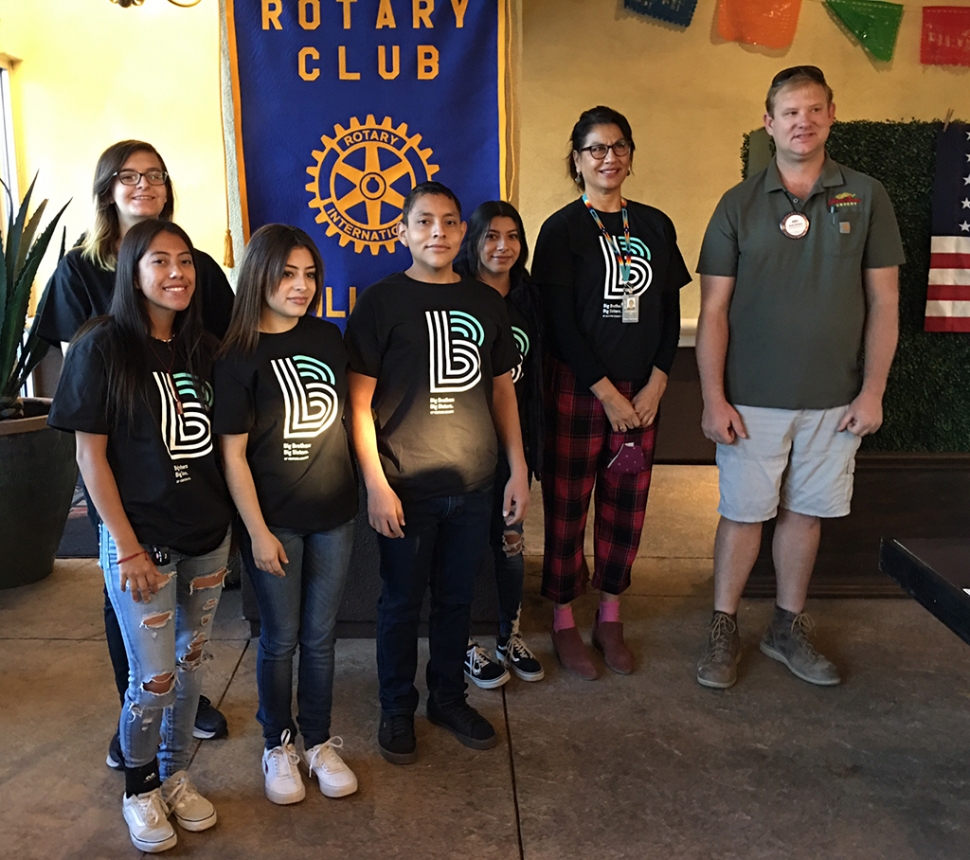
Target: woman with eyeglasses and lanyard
x,y
610,273
131,185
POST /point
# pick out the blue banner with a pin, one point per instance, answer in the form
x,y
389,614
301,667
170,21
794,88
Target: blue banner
x,y
343,106
679,12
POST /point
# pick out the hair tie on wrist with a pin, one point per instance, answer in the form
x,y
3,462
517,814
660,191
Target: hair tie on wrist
x,y
130,557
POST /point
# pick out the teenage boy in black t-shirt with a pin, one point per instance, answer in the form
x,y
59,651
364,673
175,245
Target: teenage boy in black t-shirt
x,y
431,353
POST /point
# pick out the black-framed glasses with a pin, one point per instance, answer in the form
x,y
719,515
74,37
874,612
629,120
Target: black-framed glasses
x,y
599,150
813,72
133,177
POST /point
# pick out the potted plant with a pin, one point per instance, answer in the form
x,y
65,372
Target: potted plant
x,y
37,467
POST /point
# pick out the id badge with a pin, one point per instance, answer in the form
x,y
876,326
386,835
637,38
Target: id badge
x,y
631,309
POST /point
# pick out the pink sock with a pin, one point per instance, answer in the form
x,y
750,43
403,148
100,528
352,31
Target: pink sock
x,y
562,617
609,611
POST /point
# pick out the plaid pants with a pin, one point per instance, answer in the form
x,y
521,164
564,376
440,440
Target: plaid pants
x,y
579,444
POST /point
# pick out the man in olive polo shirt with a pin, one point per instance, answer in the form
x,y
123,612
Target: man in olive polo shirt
x,y
799,271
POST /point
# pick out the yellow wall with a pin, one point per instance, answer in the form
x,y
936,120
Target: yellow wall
x,y
93,73
690,97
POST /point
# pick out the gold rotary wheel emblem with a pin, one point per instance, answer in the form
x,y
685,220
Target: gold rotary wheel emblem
x,y
361,177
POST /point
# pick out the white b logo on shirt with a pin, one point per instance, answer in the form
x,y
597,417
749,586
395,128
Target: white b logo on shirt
x,y
455,363
522,344
309,396
641,272
189,434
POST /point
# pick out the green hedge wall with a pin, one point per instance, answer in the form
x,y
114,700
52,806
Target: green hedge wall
x,y
927,403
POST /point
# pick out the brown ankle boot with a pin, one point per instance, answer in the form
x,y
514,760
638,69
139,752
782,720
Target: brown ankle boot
x,y
608,638
573,653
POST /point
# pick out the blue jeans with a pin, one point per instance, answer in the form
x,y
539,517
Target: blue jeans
x,y
164,638
444,542
299,609
507,545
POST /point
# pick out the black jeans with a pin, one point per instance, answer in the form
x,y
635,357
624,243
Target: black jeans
x,y
444,542
116,647
112,630
509,562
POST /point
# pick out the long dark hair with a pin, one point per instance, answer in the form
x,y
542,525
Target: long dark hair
x,y
101,241
259,276
127,343
524,296
468,260
588,120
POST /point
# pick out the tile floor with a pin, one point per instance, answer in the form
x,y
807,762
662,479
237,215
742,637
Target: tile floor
x,y
646,766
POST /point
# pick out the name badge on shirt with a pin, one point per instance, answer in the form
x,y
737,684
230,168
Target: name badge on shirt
x,y
795,225
631,309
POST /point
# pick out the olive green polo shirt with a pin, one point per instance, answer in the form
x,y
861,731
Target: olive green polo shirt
x,y
798,308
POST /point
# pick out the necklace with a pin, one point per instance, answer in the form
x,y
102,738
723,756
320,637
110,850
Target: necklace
x,y
629,303
623,261
168,368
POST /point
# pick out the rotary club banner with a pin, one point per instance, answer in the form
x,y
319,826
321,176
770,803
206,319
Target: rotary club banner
x,y
769,23
342,106
946,36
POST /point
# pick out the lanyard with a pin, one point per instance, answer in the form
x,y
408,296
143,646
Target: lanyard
x,y
623,261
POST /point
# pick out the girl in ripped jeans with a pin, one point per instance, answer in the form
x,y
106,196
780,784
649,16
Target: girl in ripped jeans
x,y
135,391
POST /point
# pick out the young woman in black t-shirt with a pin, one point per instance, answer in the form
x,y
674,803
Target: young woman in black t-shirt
x,y
135,391
281,388
610,274
131,185
495,252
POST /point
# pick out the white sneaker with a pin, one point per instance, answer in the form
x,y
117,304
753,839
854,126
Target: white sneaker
x,y
147,820
191,810
281,773
331,771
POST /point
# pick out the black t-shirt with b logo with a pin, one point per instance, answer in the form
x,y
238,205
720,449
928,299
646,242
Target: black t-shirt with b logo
x,y
434,350
289,396
163,459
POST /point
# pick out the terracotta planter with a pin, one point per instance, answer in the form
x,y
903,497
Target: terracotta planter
x,y
37,477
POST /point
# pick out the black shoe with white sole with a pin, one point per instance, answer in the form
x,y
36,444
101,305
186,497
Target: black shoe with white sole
x,y
515,654
115,758
210,724
482,670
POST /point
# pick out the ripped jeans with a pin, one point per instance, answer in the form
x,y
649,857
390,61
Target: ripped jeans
x,y
507,545
165,639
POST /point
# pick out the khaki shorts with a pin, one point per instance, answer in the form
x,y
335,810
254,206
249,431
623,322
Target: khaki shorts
x,y
794,459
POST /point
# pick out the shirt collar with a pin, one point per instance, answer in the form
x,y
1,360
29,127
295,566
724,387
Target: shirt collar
x,y
831,176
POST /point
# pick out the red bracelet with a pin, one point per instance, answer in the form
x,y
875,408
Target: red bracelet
x,y
130,557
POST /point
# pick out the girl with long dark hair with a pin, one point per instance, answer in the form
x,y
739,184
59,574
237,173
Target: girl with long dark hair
x,y
131,184
135,391
495,252
281,388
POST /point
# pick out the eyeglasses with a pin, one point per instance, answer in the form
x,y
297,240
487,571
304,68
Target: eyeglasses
x,y
133,177
599,150
813,72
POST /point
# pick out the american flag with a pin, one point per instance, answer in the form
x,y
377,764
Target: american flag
x,y
948,294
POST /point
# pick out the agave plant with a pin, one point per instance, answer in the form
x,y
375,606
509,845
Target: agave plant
x,y
21,251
